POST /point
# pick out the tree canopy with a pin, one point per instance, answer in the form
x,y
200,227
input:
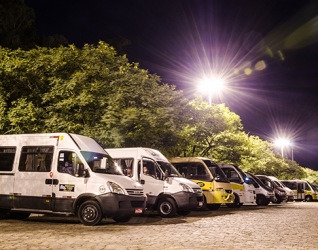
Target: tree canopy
x,y
96,92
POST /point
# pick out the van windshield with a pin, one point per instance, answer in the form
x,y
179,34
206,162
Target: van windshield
x,y
216,171
167,166
101,163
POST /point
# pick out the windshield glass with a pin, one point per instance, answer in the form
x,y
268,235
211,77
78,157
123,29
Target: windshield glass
x,y
261,183
101,163
167,166
278,183
216,171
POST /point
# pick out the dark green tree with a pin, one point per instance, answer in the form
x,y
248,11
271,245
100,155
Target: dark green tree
x,y
16,24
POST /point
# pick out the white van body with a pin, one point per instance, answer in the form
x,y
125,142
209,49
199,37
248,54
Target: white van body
x,y
289,192
243,190
264,194
63,173
167,191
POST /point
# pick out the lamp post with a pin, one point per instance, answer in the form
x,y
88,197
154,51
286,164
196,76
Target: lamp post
x,y
283,143
211,85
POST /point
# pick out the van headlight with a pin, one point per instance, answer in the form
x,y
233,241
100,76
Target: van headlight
x,y
115,188
186,188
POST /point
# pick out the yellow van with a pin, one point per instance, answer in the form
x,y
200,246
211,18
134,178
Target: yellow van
x,y
302,190
208,175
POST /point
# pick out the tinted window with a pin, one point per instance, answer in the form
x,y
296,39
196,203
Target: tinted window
x,y
36,159
6,158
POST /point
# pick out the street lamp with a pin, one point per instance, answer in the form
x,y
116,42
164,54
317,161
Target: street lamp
x,y
283,143
211,85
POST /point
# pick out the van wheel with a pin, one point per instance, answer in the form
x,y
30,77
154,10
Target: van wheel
x,y
213,206
90,213
261,200
236,202
18,215
122,218
308,198
184,212
167,208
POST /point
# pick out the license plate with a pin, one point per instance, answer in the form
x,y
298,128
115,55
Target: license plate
x,y
138,210
200,203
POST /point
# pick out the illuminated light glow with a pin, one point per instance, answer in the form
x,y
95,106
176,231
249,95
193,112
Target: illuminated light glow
x,y
248,71
260,65
236,71
303,36
282,143
280,53
211,85
269,52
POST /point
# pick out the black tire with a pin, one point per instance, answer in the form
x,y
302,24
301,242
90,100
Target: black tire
x,y
261,200
122,218
308,198
18,215
184,212
236,202
166,208
90,213
213,206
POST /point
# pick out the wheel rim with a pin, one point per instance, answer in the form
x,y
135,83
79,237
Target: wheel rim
x,y
89,213
165,208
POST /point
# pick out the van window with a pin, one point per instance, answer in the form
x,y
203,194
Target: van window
x,y
6,158
126,165
149,167
70,163
232,175
36,158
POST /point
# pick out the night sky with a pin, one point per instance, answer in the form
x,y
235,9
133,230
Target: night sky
x,y
266,50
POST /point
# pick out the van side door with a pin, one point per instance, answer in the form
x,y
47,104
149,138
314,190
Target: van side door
x,y
70,180
33,182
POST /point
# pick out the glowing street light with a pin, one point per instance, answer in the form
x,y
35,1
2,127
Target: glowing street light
x,y
284,143
211,85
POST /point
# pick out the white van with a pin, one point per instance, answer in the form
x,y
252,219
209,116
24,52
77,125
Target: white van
x,y
289,192
167,191
243,189
64,173
264,194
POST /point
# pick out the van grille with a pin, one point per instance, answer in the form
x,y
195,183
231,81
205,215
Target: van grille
x,y
135,192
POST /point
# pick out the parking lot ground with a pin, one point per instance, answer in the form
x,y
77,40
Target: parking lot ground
x,y
284,226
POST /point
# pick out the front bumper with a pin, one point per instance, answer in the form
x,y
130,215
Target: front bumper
x,y
121,205
187,200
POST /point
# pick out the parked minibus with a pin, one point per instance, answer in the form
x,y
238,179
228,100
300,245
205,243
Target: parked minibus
x,y
167,191
264,194
209,176
243,189
62,173
280,193
289,192
302,190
